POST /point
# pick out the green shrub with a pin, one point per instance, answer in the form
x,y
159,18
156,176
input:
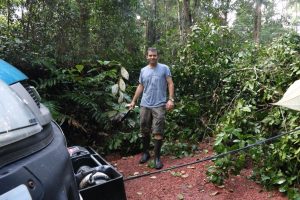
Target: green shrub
x,y
260,78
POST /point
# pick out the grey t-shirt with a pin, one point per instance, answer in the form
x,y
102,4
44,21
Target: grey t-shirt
x,y
155,85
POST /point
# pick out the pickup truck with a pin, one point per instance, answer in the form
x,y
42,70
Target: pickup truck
x,y
35,162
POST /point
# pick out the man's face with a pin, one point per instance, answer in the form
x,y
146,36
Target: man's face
x,y
152,57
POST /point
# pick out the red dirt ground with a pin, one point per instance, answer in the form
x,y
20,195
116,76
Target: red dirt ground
x,y
187,183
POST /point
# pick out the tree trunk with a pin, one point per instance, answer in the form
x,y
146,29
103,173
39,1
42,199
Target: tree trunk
x,y
225,13
180,21
29,23
257,21
150,27
187,14
84,42
165,16
8,6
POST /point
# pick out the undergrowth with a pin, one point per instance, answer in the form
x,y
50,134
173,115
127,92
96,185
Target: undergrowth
x,y
261,77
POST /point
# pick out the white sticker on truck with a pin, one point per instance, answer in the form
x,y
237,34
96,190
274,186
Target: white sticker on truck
x,y
18,193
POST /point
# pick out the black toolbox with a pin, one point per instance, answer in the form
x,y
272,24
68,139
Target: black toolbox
x,y
112,189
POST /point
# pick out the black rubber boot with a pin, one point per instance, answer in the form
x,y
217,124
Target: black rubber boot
x,y
157,147
146,144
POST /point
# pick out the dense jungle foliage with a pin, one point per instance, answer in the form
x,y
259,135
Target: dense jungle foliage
x,y
84,57
259,79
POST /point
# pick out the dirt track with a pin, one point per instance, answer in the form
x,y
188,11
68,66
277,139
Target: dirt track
x,y
187,183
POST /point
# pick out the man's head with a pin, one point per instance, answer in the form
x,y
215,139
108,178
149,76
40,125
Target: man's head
x,y
152,56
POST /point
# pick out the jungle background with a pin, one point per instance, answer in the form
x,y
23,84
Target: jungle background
x,y
229,60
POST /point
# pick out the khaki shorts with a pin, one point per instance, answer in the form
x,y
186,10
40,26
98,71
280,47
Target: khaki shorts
x,y
152,120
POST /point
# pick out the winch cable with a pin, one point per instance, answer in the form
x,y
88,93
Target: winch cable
x,y
260,142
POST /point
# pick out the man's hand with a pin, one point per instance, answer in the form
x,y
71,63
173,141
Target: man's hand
x,y
169,105
131,105
138,92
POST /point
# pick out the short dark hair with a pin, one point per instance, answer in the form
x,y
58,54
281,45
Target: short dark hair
x,y
152,49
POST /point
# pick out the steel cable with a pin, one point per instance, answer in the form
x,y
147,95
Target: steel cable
x,y
212,157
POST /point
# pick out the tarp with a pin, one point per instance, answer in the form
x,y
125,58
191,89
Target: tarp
x,y
9,74
291,98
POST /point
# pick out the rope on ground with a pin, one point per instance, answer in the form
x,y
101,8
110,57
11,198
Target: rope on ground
x,y
260,142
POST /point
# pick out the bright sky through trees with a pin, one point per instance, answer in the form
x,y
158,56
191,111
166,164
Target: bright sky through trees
x,y
282,10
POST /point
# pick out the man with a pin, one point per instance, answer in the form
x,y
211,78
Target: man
x,y
154,81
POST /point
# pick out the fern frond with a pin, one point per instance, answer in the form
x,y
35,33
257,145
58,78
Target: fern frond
x,y
83,100
48,83
60,117
54,108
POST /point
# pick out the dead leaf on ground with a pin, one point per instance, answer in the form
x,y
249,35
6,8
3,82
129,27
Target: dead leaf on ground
x,y
180,196
190,167
214,193
184,175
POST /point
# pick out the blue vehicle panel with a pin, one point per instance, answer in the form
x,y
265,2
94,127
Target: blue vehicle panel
x,y
10,74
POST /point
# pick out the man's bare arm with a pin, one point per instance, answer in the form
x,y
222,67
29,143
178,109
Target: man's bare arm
x,y
137,94
170,103
170,87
